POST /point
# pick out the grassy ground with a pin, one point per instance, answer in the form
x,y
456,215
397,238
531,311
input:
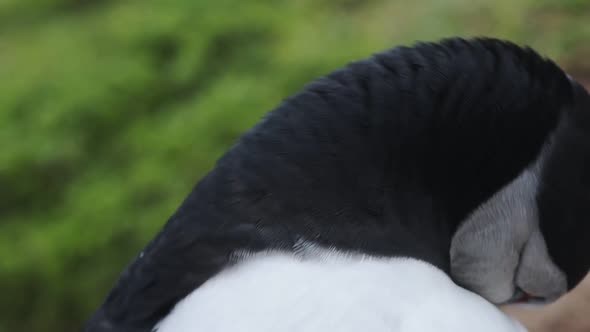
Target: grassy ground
x,y
110,111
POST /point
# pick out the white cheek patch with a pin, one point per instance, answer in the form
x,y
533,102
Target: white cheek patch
x,y
500,245
284,292
536,274
485,251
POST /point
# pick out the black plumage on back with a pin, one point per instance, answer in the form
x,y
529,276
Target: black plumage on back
x,y
385,156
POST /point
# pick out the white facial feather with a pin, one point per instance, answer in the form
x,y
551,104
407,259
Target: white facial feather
x,y
500,246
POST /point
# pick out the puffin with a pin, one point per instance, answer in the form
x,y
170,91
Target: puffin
x,y
409,191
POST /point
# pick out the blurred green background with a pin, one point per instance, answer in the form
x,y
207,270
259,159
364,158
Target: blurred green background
x,y
110,112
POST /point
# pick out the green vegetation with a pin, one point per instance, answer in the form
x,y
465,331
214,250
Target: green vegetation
x,y
110,111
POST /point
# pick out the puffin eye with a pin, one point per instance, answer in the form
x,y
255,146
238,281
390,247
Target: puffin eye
x,y
519,296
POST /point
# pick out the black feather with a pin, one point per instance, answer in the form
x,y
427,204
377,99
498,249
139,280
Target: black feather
x,y
384,156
